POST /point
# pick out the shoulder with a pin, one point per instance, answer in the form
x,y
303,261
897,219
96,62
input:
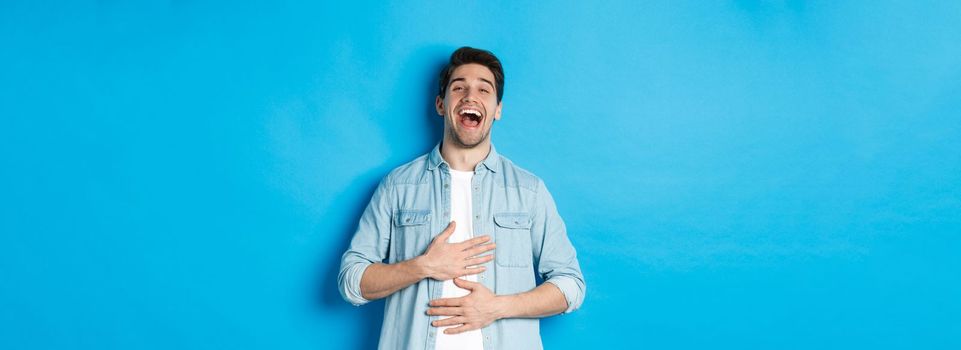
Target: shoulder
x,y
515,176
412,172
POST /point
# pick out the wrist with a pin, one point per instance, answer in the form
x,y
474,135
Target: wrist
x,y
504,305
421,267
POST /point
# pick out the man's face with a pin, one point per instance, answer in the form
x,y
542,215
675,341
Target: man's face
x,y
469,106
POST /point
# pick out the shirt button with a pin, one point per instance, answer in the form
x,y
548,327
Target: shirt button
x,y
477,216
482,276
446,186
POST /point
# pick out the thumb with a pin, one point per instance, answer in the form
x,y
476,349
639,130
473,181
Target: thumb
x,y
463,283
448,231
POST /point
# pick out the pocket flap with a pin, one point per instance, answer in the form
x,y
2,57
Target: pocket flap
x,y
411,217
513,220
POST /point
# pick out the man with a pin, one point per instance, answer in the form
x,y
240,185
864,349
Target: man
x,y
465,234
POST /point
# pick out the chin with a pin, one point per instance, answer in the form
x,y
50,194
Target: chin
x,y
470,143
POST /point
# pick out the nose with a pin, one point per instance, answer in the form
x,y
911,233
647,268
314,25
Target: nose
x,y
469,96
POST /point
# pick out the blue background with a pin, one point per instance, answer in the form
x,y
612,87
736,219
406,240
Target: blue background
x,y
734,174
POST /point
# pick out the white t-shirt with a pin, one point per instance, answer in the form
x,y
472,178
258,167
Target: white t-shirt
x,y
460,211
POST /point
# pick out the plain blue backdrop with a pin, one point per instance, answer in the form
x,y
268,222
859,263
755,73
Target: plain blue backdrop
x,y
734,174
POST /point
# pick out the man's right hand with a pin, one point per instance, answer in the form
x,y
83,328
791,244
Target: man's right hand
x,y
445,261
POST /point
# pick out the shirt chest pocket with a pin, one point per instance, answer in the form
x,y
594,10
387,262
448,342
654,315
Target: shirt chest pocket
x,y
512,232
411,233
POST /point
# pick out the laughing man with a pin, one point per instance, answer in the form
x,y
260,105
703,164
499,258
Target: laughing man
x,y
467,247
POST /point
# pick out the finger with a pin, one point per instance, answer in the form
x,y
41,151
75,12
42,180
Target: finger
x,y
445,311
461,329
480,249
460,282
480,260
445,234
447,302
450,321
475,241
472,270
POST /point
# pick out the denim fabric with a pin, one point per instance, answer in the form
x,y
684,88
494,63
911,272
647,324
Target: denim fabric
x,y
412,205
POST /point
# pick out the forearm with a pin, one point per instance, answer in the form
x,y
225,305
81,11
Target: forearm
x,y
542,301
380,280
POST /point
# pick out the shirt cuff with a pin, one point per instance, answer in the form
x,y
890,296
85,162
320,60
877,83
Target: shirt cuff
x,y
350,288
571,290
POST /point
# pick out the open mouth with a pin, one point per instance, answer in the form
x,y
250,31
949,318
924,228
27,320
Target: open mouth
x,y
470,117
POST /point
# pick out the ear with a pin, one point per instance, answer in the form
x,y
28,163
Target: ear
x,y
497,111
439,105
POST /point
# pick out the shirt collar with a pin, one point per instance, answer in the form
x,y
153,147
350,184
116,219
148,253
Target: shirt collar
x,y
492,162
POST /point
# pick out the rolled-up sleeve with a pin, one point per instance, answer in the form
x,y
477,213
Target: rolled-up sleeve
x,y
368,246
556,258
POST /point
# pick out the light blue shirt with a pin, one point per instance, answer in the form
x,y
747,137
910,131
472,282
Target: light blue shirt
x,y
412,205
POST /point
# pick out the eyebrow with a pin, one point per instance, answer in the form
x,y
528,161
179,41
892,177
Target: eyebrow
x,y
465,80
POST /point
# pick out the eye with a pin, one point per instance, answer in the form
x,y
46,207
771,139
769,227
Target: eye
x,y
485,91
457,88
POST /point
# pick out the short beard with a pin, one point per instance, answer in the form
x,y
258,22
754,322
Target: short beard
x,y
461,144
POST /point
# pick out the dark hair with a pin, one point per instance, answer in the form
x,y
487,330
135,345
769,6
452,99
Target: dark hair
x,y
467,55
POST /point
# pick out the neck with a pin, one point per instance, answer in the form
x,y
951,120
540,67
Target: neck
x,y
464,159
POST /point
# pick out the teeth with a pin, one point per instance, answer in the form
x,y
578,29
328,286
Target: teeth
x,y
471,111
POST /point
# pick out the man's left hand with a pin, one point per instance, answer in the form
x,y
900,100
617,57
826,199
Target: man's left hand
x,y
473,311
